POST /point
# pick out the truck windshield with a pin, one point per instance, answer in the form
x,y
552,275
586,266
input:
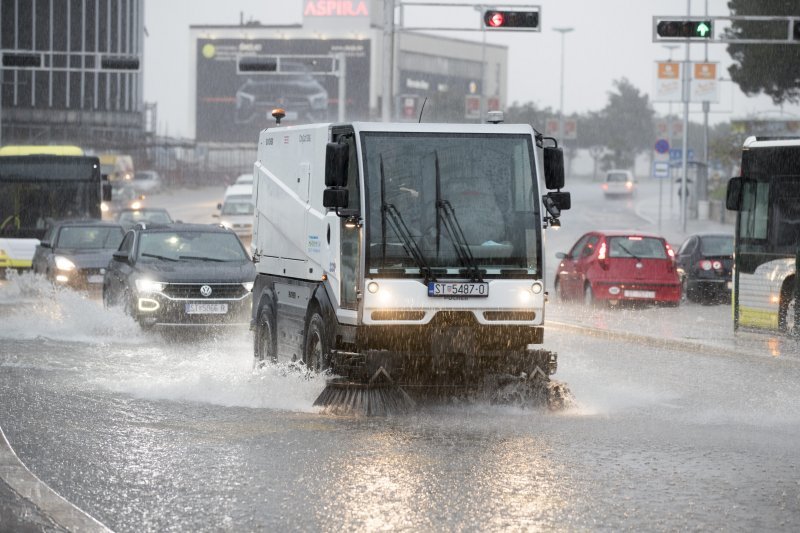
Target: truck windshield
x,y
488,179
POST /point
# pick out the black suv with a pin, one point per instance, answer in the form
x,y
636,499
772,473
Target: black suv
x,y
181,275
75,253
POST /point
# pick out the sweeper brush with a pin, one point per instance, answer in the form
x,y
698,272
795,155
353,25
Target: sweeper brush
x,y
379,396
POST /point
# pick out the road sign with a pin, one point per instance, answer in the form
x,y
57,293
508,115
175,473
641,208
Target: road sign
x,y
662,146
676,154
660,169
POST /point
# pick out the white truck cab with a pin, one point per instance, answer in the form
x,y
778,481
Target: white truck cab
x,y
414,248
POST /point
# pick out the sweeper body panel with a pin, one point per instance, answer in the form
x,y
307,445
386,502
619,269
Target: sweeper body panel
x,y
411,253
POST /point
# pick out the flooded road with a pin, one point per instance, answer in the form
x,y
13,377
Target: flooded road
x,y
153,433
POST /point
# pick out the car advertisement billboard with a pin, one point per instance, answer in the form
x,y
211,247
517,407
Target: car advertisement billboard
x,y
234,105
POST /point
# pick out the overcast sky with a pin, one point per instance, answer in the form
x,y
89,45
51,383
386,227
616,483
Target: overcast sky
x,y
611,39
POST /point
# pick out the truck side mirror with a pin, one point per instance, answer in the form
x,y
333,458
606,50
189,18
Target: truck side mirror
x,y
335,198
733,196
336,159
553,167
561,200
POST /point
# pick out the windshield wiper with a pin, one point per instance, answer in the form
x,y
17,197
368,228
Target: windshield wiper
x,y
155,256
629,252
200,258
446,213
389,212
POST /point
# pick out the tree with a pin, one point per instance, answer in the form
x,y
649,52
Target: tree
x,y
627,124
768,68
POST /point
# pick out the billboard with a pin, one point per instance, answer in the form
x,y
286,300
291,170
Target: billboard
x,y
234,106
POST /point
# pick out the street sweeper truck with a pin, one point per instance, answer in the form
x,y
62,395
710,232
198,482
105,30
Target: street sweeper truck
x,y
404,257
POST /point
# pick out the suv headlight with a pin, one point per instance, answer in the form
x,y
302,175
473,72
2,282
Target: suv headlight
x,y
62,263
248,286
148,285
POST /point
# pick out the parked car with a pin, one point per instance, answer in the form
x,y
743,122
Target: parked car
x,y
181,275
75,253
129,217
705,266
146,181
614,266
619,183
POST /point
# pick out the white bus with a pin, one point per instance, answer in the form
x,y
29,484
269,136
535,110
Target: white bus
x,y
767,199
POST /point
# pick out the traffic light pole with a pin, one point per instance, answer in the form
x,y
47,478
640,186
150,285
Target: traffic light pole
x,y
685,143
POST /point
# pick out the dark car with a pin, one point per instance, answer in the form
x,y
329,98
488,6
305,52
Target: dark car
x,y
294,89
123,196
705,265
155,215
181,275
615,266
75,253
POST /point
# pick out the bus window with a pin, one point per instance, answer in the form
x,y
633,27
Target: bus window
x,y
755,210
786,215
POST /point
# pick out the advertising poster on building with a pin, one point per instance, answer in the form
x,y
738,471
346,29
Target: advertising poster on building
x,y
235,106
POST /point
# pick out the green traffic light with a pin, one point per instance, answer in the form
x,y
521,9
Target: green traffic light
x,y
702,29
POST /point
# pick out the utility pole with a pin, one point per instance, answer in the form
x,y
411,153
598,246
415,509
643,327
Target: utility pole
x,y
562,31
670,47
685,145
388,60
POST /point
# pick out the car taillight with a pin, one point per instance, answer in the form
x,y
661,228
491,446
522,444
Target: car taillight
x,y
605,186
601,256
717,265
629,184
705,264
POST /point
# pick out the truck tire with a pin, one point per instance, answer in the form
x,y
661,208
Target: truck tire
x,y
316,347
264,341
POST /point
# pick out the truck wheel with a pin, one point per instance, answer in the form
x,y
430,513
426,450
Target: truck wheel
x,y
315,353
264,346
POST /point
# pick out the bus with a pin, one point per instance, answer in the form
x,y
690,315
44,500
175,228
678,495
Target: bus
x,y
766,198
40,184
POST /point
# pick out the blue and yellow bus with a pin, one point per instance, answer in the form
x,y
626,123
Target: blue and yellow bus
x,y
767,199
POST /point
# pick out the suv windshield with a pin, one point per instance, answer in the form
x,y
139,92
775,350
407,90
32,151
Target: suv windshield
x,y
489,181
238,208
190,245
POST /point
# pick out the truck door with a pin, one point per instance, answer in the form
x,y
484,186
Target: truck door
x,y
350,235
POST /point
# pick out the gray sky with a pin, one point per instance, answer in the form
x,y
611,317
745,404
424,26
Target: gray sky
x,y
612,39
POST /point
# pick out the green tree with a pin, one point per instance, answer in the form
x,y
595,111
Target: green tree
x,y
626,124
768,68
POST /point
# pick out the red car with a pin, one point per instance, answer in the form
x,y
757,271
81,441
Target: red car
x,y
611,266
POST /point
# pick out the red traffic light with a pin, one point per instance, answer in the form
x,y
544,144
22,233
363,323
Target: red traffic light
x,y
494,19
505,19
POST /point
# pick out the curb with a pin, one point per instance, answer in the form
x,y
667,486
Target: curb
x,y
52,505
655,342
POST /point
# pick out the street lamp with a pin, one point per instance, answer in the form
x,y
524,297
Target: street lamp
x,y
562,31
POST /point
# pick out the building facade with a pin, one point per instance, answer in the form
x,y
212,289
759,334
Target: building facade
x,y
71,72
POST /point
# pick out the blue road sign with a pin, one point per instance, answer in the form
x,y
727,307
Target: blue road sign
x,y
676,154
662,146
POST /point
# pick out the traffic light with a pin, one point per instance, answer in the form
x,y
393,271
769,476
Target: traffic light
x,y
685,29
497,19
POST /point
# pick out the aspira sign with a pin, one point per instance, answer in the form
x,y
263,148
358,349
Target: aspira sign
x,y
336,8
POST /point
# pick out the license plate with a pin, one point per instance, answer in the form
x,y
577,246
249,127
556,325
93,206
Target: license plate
x,y
95,278
640,294
206,309
458,289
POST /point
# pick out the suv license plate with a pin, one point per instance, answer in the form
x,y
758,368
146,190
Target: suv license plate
x,y
206,309
458,289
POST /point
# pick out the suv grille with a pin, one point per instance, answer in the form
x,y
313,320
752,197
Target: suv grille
x,y
192,290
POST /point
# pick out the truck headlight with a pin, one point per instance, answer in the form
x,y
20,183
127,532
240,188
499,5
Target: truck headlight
x,y
62,263
148,285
